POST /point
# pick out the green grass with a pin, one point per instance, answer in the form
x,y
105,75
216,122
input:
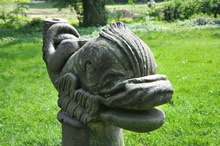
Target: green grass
x,y
190,59
27,108
189,56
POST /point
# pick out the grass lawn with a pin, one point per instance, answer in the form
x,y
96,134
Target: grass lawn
x,y
191,60
190,57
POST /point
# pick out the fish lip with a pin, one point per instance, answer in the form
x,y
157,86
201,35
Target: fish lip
x,y
134,114
120,85
139,93
138,121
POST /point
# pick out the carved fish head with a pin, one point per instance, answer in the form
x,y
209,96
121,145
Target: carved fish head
x,y
117,73
98,67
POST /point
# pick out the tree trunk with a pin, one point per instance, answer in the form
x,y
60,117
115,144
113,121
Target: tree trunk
x,y
94,13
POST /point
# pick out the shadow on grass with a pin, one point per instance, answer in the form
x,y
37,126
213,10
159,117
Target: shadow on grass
x,y
27,32
25,42
87,30
20,43
20,51
32,32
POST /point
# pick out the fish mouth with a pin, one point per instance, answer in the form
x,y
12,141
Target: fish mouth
x,y
131,103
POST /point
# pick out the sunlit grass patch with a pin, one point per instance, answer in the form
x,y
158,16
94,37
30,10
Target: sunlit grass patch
x,y
190,59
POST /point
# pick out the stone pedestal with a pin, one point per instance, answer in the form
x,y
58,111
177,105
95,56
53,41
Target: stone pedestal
x,y
75,133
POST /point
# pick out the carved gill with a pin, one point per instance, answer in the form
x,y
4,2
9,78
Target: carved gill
x,y
76,102
82,105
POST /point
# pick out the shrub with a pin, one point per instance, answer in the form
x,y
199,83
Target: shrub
x,y
144,16
155,13
215,7
185,9
15,16
35,22
17,1
173,10
114,15
189,8
210,7
205,7
130,2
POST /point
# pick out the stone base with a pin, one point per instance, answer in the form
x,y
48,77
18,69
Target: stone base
x,y
75,133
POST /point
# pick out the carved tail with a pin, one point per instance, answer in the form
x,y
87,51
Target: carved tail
x,y
58,45
52,28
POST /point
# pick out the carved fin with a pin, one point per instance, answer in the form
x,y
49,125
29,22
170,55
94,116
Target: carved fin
x,y
74,101
68,83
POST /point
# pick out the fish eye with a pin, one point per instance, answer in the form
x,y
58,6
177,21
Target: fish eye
x,y
89,66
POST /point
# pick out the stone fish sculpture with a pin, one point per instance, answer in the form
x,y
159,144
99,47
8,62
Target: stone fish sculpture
x,y
110,79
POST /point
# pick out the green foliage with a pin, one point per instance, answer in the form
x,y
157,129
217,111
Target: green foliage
x,y
178,10
89,13
35,22
75,5
185,9
142,17
205,6
149,14
13,17
155,13
130,2
114,15
210,7
17,1
109,2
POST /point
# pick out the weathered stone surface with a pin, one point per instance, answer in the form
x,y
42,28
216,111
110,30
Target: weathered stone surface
x,y
75,133
110,80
